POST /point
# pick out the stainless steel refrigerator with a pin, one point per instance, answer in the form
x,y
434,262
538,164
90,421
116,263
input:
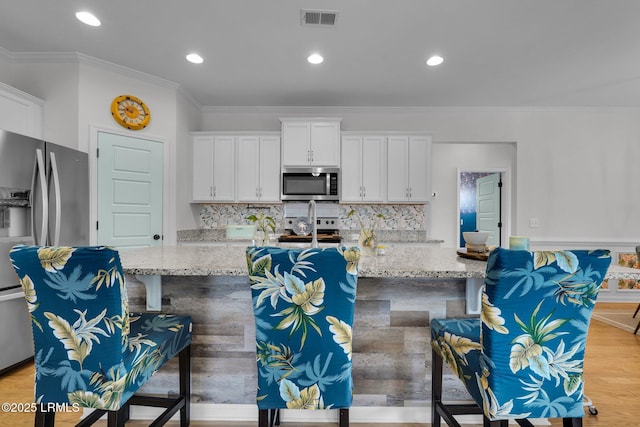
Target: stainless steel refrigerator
x,y
44,200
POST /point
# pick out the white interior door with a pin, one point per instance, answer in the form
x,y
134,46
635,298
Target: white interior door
x,y
488,207
129,191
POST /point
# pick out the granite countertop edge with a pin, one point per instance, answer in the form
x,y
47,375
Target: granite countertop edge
x,y
218,235
400,261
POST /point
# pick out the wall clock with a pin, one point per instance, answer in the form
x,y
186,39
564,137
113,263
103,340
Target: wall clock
x,y
130,112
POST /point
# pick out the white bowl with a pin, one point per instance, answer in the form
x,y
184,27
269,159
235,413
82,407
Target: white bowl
x,y
475,237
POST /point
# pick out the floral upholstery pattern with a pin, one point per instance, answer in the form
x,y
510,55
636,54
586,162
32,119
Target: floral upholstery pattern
x,y
523,358
89,349
303,301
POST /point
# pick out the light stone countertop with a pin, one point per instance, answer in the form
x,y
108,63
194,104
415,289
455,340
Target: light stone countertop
x,y
230,260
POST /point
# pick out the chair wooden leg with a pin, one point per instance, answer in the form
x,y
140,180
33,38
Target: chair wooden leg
x,y
637,309
184,368
436,387
637,327
44,419
344,417
263,418
486,422
572,422
117,418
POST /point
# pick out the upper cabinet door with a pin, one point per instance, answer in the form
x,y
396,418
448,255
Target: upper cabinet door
x,y
224,168
398,169
202,169
325,144
248,181
373,168
351,169
20,112
296,137
419,169
269,188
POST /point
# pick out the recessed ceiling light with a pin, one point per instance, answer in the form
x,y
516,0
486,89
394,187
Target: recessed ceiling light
x,y
315,59
435,60
194,58
88,18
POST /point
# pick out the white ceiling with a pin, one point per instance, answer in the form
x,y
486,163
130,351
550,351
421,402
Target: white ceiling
x,y
498,53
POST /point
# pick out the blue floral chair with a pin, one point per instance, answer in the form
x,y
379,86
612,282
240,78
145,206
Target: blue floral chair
x,y
303,301
90,352
523,358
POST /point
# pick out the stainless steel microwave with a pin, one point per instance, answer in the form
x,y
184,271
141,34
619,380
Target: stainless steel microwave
x,y
310,183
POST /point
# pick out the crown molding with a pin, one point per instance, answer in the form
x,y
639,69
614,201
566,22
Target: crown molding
x,y
387,110
82,59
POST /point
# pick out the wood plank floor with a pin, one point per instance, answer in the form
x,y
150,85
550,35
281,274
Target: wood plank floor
x,y
612,375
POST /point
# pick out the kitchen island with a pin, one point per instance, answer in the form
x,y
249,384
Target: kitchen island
x,y
398,294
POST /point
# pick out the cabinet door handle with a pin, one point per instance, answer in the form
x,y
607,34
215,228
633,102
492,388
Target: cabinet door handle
x,y
211,190
364,191
308,155
311,155
214,191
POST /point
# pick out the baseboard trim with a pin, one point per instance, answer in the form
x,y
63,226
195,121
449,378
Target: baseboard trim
x,y
357,414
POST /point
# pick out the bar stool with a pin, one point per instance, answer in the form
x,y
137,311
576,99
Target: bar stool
x,y
90,352
303,303
524,357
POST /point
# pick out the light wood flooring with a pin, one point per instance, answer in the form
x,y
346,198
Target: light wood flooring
x,y
612,375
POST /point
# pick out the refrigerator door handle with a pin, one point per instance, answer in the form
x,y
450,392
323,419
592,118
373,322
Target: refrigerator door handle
x,y
56,186
39,175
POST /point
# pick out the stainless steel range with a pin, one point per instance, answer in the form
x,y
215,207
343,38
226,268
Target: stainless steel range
x,y
328,222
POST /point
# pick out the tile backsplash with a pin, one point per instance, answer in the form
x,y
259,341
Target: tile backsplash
x,y
397,217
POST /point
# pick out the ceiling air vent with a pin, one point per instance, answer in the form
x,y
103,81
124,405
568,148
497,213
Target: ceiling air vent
x,y
325,18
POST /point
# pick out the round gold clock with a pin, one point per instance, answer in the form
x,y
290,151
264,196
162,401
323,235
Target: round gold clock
x,y
130,112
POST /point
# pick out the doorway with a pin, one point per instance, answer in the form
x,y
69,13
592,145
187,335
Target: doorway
x,y
480,204
129,191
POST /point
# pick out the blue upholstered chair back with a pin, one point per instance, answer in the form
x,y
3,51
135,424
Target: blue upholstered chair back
x,y
89,350
78,305
303,301
536,310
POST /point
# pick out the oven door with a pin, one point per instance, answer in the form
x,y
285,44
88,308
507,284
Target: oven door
x,y
307,186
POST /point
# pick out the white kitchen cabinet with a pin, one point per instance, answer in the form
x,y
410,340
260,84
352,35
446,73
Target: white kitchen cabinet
x,y
408,168
202,168
363,168
20,112
258,177
213,168
308,142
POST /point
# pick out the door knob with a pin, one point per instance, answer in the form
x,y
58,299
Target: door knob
x,y
156,237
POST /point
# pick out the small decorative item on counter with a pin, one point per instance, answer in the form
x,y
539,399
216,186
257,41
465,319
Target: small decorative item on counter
x,y
476,241
520,243
368,241
382,250
264,223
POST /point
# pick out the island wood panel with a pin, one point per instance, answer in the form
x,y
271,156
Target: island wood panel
x,y
391,349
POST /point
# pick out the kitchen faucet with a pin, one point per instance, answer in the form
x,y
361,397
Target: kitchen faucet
x,y
312,219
